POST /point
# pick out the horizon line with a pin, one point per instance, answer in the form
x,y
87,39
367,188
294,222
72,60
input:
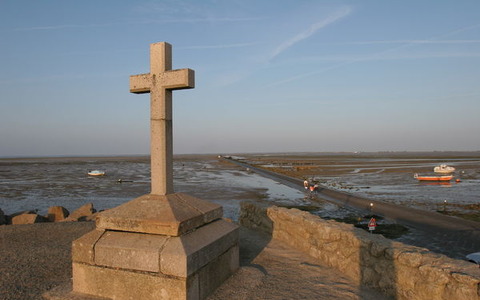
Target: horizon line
x,y
232,153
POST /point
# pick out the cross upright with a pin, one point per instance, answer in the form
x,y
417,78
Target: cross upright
x,y
160,83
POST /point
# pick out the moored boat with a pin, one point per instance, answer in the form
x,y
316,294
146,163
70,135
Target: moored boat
x,y
443,169
433,177
96,173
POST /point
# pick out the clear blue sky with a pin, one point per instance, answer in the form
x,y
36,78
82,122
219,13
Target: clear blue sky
x,y
270,75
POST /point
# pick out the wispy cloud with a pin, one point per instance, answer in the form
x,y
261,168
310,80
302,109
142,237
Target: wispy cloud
x,y
389,54
304,75
239,45
337,15
386,42
67,26
348,60
441,53
52,27
142,22
197,20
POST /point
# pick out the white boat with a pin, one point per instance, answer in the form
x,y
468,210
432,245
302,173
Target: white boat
x,y
96,173
443,169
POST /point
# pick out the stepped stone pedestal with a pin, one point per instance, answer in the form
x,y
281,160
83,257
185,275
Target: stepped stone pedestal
x,y
156,247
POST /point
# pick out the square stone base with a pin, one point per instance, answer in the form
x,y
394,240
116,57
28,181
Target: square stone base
x,y
131,265
128,284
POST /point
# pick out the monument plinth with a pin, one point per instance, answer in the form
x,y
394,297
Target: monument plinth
x,y
173,214
162,245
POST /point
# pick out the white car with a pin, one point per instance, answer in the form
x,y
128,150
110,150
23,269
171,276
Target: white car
x,y
474,257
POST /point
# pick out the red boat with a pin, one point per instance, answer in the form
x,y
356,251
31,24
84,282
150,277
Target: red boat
x,y
433,177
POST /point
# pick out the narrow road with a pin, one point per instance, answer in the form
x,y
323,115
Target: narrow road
x,y
454,237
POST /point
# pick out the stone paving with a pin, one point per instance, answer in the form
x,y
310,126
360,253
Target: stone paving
x,y
272,270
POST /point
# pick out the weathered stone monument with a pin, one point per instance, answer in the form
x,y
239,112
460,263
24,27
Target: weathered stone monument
x,y
162,245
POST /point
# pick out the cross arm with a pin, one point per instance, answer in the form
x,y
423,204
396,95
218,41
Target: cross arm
x,y
140,84
179,79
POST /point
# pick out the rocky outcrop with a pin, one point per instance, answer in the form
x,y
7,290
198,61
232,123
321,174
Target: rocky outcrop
x,y
9,218
23,212
28,218
84,213
57,213
398,270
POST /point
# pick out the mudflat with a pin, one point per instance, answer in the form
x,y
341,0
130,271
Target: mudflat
x,y
304,165
388,176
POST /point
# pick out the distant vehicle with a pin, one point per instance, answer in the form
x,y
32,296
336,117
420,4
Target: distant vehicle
x,y
96,173
443,169
474,257
433,177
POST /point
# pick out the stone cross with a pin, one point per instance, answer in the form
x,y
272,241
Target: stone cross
x,y
160,83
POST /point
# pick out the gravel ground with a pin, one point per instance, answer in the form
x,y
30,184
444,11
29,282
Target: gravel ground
x,y
36,258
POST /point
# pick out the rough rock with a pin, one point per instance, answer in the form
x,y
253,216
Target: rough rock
x,y
57,213
28,219
23,212
84,213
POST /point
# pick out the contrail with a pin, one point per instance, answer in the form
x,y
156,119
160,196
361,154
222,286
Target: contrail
x,y
309,32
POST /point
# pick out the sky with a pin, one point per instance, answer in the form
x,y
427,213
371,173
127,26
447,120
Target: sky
x,y
270,76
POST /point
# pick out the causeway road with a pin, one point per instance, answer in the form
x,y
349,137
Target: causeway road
x,y
451,236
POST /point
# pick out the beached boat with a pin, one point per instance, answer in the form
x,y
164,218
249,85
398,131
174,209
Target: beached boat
x,y
96,173
443,169
433,177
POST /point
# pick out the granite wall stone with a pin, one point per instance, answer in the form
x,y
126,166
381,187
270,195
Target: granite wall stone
x,y
396,269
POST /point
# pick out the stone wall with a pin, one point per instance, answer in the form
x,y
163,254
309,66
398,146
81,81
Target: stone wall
x,y
398,270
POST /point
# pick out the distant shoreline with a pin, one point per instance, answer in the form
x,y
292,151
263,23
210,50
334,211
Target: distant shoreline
x,y
299,153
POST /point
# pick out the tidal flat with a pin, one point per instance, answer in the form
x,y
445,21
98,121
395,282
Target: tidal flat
x,y
38,183
388,176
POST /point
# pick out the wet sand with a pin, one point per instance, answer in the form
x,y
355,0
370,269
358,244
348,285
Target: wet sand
x,y
37,184
386,176
336,164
